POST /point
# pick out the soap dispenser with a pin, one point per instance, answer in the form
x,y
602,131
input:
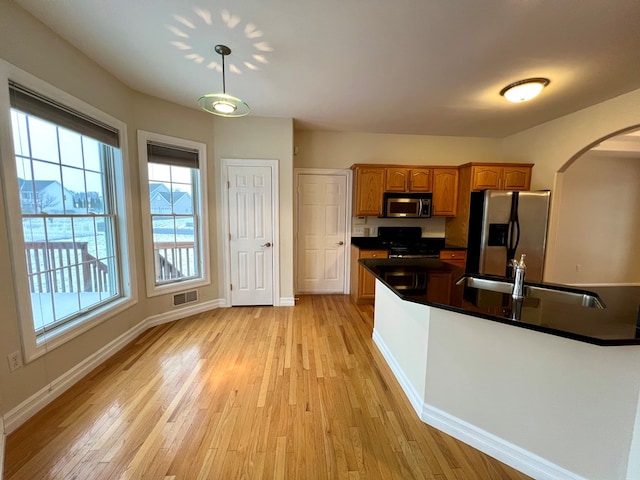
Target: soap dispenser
x,y
518,280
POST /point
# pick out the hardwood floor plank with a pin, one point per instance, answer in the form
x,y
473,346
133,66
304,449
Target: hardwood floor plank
x,y
245,392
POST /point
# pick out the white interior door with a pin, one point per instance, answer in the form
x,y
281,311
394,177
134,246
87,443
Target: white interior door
x,y
321,233
251,235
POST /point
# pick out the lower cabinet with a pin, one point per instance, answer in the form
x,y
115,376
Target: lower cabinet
x,y
455,257
363,283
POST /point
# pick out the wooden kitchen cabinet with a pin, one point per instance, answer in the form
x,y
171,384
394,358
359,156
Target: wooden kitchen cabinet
x,y
371,181
481,176
420,179
445,192
363,283
500,177
455,257
368,190
396,179
402,179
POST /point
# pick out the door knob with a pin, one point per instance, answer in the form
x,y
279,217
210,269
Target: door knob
x,y
268,244
340,243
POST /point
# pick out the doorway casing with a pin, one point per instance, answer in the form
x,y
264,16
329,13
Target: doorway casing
x,y
275,210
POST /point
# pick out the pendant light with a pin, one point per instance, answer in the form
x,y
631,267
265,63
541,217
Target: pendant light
x,y
524,90
220,103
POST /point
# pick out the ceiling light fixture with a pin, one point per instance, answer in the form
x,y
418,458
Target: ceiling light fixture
x,y
221,103
524,90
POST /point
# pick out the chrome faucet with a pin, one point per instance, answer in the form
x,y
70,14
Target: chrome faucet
x,y
519,270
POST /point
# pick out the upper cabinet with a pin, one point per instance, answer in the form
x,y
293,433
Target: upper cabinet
x,y
445,192
496,176
402,179
369,183
396,179
483,176
420,179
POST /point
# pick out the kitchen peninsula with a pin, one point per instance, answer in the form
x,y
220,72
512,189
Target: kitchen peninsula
x,y
553,392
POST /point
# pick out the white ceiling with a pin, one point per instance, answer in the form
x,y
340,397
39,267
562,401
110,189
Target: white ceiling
x,y
431,67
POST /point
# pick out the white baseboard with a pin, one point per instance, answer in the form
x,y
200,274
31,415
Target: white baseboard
x,y
496,447
414,397
287,302
36,402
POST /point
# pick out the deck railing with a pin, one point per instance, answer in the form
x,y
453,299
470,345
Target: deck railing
x,y
174,260
61,267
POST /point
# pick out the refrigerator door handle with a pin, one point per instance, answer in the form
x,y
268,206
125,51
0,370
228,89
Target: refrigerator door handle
x,y
514,227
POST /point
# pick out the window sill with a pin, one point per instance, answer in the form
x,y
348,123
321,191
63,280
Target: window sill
x,y
67,332
177,287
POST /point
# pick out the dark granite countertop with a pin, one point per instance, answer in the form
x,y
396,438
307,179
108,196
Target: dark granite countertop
x,y
617,324
373,243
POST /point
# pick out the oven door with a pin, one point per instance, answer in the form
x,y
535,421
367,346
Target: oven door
x,y
403,207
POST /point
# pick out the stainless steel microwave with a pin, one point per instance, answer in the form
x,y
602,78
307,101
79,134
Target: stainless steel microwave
x,y
407,205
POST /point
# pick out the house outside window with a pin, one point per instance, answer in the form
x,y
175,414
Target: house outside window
x,y
70,244
173,172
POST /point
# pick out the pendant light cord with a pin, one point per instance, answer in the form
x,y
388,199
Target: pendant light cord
x,y
224,86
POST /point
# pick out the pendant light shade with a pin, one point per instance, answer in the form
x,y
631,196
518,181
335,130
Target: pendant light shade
x,y
524,90
223,104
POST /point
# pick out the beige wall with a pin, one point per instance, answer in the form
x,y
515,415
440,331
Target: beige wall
x,y
265,139
27,44
554,144
599,221
341,150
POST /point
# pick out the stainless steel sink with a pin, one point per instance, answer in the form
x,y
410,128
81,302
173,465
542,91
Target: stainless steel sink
x,y
560,294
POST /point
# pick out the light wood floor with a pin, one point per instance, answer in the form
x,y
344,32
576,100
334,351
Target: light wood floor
x,y
255,392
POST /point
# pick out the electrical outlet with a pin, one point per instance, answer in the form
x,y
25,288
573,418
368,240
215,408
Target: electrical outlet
x,y
358,230
15,361
578,267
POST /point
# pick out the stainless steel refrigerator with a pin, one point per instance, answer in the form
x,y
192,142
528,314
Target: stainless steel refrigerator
x,y
503,225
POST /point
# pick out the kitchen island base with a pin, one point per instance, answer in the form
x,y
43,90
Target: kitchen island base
x,y
551,407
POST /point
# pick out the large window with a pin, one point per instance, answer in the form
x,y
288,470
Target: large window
x,y
175,234
68,172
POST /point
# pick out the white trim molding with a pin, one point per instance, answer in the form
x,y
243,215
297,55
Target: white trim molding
x,y
275,191
36,402
202,215
348,174
34,346
494,446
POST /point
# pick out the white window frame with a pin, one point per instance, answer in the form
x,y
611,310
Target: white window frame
x,y
32,345
178,285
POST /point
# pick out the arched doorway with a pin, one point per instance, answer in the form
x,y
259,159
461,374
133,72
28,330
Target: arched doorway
x,y
597,214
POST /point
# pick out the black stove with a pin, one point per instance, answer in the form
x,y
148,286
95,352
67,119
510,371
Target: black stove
x,y
407,242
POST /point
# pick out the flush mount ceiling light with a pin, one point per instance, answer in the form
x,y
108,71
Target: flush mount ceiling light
x,y
221,103
524,90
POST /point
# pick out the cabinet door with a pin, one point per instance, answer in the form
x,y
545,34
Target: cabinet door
x,y
369,187
516,178
420,179
367,282
485,177
396,179
445,192
455,257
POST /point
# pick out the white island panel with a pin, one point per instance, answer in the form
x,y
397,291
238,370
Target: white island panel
x,y
401,332
549,406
